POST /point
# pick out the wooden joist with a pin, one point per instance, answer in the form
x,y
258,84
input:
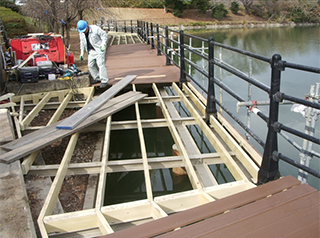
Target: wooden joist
x,y
25,166
41,138
181,147
56,185
200,101
75,119
115,166
43,133
6,126
228,138
35,111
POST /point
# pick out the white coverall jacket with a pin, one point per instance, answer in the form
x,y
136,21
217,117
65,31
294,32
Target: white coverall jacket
x,y
96,58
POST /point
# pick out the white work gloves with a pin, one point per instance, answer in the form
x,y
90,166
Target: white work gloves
x,y
103,47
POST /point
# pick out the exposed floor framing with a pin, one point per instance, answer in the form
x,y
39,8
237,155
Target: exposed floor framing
x,y
231,151
120,38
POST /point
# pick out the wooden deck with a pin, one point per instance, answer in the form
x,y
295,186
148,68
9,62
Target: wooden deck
x,y
139,59
282,208
209,208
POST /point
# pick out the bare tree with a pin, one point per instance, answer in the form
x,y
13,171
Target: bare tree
x,y
38,12
272,7
247,5
55,13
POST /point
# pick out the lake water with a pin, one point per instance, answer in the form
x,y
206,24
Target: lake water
x,y
299,45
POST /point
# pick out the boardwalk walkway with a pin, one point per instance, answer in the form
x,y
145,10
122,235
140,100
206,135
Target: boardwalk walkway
x,y
139,59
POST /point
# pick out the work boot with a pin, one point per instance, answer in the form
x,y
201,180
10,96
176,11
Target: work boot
x,y
103,85
94,82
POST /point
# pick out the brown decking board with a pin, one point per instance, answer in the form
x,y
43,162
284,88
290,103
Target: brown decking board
x,y
229,224
288,226
265,211
141,60
280,216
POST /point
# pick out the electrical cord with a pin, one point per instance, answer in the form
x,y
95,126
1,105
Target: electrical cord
x,y
44,39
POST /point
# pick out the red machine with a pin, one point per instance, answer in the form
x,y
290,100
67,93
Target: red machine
x,y
48,47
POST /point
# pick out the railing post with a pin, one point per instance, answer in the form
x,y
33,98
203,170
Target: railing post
x,y
167,47
211,104
152,38
138,28
148,40
116,26
269,169
131,26
158,40
144,31
125,27
183,78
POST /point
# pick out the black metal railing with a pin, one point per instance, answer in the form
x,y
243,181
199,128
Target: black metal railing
x,y
127,26
162,40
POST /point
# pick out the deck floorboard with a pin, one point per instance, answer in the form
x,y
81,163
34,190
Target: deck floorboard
x,y
141,60
267,210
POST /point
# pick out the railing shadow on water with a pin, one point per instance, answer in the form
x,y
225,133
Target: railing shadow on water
x,y
176,45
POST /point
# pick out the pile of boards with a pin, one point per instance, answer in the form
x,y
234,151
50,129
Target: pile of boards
x,y
97,110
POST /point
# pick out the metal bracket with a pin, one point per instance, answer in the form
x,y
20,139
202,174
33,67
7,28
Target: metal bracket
x,y
280,65
278,96
277,127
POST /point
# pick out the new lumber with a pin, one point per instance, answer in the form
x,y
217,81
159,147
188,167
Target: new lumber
x,y
43,137
76,118
6,126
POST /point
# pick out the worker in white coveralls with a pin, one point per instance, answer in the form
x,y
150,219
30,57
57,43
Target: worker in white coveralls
x,y
93,40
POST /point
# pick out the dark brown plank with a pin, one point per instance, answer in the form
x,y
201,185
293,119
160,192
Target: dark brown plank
x,y
290,225
310,230
41,142
207,210
141,60
276,214
208,227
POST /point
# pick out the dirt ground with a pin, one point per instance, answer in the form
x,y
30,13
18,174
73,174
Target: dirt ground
x,y
158,16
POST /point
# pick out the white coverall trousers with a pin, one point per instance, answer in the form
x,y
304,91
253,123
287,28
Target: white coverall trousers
x,y
96,65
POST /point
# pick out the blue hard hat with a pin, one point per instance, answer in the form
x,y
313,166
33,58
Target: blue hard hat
x,y
82,26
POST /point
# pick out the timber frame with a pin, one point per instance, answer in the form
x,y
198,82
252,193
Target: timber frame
x,y
232,150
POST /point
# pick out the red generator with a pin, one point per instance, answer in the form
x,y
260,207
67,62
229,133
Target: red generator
x,y
49,45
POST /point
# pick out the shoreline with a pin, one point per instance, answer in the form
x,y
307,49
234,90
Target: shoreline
x,y
238,26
